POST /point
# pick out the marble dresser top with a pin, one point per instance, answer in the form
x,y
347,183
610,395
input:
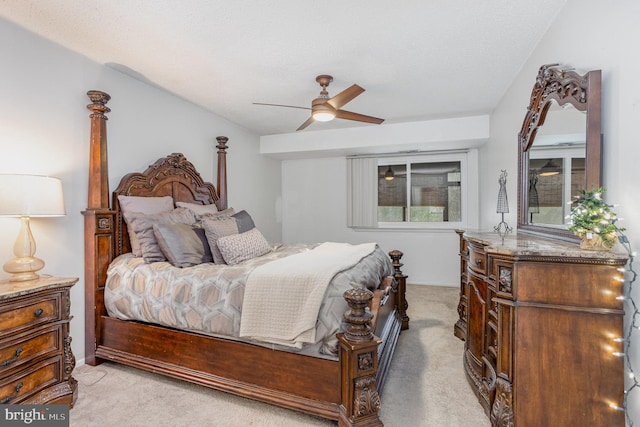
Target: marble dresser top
x,y
521,244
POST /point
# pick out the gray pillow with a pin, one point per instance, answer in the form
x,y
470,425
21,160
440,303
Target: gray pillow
x,y
143,228
244,221
221,225
243,246
141,205
182,245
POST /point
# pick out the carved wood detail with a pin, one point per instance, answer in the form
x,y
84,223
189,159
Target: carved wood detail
x,y
366,400
502,410
504,280
552,82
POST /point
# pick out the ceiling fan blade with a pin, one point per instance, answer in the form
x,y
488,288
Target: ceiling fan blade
x,y
345,96
280,105
348,115
305,124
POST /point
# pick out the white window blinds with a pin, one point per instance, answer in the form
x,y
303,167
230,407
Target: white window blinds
x,y
362,192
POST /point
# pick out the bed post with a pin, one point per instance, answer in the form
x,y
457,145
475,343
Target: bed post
x,y
98,224
360,401
401,279
222,172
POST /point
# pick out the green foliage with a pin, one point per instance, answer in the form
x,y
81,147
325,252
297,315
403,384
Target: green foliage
x,y
591,214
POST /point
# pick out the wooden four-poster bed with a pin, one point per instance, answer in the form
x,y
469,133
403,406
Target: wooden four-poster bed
x,y
344,388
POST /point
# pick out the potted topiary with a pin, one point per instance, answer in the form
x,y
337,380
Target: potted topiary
x,y
593,220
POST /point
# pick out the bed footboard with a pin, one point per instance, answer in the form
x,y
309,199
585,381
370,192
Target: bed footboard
x,y
364,356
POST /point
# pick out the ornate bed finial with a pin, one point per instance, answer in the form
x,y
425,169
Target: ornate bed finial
x,y
222,143
99,101
358,319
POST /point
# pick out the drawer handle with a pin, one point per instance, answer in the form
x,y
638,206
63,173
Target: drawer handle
x,y
38,312
13,359
8,398
478,261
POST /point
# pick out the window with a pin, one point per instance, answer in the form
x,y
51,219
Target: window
x,y
418,191
556,175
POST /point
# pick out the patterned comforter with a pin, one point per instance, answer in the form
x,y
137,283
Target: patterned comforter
x,y
207,298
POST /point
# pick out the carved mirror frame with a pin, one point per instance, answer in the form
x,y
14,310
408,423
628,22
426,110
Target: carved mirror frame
x,y
565,86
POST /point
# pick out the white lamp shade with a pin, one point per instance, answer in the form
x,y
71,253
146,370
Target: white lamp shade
x,y
30,195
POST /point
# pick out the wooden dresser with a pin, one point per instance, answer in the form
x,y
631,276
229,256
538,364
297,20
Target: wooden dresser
x,y
540,319
35,347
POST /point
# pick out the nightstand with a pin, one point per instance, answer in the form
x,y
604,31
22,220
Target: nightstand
x,y
35,347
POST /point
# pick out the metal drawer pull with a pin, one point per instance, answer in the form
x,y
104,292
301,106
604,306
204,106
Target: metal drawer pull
x,y
478,261
38,312
8,398
13,359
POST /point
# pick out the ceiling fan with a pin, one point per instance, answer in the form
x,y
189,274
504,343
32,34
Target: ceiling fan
x,y
324,109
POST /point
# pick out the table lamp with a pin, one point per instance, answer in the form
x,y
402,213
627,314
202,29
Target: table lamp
x,y
26,196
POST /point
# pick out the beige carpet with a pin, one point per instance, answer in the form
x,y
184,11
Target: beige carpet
x,y
426,386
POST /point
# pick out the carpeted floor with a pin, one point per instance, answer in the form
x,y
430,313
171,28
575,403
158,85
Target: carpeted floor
x,y
426,386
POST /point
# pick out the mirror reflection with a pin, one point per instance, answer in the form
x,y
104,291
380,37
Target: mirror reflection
x,y
556,166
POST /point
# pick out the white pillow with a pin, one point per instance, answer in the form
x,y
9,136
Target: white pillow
x,y
144,205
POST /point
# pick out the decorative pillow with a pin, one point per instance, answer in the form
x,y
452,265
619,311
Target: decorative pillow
x,y
143,228
243,246
223,225
214,230
182,245
244,221
142,205
224,214
198,209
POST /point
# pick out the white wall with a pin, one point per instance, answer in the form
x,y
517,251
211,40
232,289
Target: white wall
x,y
587,34
315,210
314,189
45,130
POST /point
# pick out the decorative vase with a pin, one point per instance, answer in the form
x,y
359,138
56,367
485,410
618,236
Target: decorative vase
x,y
593,242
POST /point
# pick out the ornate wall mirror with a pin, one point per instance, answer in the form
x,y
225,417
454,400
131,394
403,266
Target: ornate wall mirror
x,y
562,157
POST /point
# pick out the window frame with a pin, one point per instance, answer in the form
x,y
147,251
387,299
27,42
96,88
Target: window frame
x,y
567,154
468,167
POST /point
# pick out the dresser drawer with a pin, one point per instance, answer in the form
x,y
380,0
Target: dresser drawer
x,y
29,313
17,351
28,382
477,260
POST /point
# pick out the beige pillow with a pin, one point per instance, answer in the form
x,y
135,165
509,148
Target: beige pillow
x,y
224,214
142,205
237,248
215,229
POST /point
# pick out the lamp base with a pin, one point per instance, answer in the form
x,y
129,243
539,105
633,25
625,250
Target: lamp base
x,y
23,268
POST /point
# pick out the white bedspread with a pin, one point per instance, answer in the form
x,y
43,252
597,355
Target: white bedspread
x,y
283,308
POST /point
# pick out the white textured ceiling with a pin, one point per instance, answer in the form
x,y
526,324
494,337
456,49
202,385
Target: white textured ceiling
x,y
417,59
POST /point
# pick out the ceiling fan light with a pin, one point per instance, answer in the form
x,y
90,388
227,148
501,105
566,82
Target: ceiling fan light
x,y
323,116
321,112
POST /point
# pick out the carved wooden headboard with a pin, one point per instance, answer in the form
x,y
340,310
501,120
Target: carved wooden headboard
x,y
173,176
